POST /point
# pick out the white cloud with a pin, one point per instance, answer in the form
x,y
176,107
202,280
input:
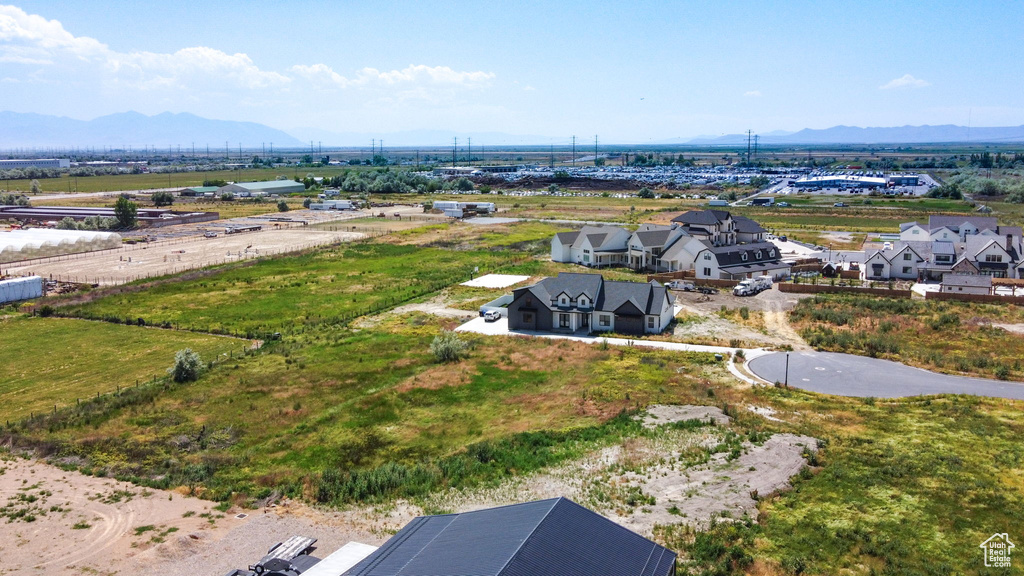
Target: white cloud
x,y
411,75
752,94
905,81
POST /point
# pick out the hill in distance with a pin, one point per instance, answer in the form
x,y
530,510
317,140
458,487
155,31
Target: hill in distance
x,y
946,133
137,130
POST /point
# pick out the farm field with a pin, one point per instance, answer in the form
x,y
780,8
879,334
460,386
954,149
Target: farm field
x,y
955,337
149,181
54,361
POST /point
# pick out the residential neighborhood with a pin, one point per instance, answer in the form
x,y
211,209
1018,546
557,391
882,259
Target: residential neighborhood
x,y
710,244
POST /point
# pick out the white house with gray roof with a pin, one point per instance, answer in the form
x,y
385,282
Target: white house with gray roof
x,y
575,302
965,244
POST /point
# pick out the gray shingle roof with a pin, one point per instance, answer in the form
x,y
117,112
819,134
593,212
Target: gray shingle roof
x,y
745,225
567,237
607,296
702,217
954,222
554,537
654,237
967,280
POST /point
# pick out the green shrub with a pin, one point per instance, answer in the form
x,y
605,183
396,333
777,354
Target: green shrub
x,y
187,366
448,347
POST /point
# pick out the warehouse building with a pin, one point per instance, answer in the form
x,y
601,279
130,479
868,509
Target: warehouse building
x,y
50,215
35,163
247,189
840,181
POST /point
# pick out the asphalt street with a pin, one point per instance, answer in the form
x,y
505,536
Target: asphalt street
x,y
848,375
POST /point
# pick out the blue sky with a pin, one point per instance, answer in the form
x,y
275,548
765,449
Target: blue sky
x,y
627,71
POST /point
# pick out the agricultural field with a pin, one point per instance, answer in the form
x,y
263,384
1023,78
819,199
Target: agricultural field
x,y
54,361
948,336
149,181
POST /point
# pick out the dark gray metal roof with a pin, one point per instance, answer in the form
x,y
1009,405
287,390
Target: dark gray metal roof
x,y
554,537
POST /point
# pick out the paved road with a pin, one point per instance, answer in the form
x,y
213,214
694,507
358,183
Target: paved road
x,y
848,375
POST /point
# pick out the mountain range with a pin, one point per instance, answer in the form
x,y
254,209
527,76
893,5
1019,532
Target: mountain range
x,y
855,135
137,130
183,129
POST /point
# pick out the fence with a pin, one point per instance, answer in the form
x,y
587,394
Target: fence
x,y
826,289
991,298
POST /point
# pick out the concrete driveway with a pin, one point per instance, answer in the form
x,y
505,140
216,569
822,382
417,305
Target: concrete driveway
x,y
848,375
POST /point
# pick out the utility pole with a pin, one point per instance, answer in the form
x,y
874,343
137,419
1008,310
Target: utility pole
x,y
595,150
227,151
455,146
469,153
748,146
552,155
417,160
574,151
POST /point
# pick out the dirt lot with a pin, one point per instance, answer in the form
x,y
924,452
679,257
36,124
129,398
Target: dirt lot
x,y
772,304
160,258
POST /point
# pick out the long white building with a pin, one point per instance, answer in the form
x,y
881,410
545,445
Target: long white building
x,y
35,163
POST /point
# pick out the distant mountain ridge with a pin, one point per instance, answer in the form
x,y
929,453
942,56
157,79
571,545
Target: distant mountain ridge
x,y
137,130
926,134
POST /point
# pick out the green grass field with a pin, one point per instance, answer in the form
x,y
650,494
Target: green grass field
x,y
48,361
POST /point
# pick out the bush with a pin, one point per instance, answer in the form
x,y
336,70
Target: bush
x,y
282,206
448,347
187,366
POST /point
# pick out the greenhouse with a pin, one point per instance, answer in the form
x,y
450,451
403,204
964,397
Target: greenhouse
x,y
17,289
40,243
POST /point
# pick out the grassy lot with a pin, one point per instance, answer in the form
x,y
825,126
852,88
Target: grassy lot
x,y
290,295
232,209
907,487
48,361
948,336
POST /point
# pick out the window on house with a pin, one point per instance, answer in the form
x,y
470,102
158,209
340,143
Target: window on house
x,y
707,256
707,271
583,301
563,320
529,301
758,255
585,251
528,317
906,269
771,253
915,231
993,257
563,300
743,256
586,257
906,255
605,320
650,321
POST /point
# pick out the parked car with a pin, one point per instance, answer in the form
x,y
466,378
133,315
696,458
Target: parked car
x,y
680,285
707,290
840,204
210,234
492,316
783,204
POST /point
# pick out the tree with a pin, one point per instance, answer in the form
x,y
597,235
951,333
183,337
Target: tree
x,y
599,161
163,199
187,366
307,202
645,192
759,181
282,206
448,347
36,188
227,197
126,212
